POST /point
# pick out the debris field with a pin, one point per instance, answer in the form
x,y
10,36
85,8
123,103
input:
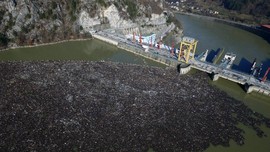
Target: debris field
x,y
105,106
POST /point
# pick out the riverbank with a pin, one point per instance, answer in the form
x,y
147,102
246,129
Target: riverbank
x,y
62,106
44,44
250,28
214,19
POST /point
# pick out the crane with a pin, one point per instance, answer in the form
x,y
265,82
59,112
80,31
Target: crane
x,y
265,75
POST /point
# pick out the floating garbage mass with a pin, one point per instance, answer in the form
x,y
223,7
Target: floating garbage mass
x,y
104,106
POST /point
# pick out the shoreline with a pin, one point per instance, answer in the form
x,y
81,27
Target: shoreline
x,y
215,19
247,27
44,44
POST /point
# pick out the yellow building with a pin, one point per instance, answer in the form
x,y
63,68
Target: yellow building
x,y
187,49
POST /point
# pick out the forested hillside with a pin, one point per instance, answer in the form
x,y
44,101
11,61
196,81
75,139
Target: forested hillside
x,y
246,11
252,7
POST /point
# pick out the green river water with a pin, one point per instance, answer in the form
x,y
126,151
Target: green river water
x,y
211,35
246,46
92,50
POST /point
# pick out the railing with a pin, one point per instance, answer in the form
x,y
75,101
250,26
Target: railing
x,y
232,75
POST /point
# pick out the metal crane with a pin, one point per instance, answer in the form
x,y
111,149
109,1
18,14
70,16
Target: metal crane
x,y
265,75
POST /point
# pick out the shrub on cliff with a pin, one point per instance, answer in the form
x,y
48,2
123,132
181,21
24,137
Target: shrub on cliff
x,y
3,40
131,8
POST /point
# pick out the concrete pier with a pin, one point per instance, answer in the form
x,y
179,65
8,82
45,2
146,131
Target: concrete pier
x,y
251,84
105,39
183,68
215,76
251,88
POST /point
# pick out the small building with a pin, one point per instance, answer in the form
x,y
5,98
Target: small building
x,y
216,12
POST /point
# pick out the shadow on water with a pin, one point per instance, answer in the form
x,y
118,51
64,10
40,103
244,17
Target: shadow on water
x,y
178,68
266,38
212,55
243,66
262,33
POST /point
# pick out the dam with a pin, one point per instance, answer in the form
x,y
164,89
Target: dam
x,y
173,58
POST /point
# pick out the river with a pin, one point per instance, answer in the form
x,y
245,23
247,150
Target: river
x,y
211,35
93,50
247,46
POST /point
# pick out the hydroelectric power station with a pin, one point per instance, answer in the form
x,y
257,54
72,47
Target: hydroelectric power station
x,y
184,58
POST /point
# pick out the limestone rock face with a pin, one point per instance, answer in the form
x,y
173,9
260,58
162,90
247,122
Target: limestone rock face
x,y
115,20
87,22
157,19
30,22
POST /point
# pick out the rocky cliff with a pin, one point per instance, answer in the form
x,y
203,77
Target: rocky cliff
x,y
38,21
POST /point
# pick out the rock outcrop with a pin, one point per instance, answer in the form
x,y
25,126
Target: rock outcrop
x,y
88,22
115,20
32,22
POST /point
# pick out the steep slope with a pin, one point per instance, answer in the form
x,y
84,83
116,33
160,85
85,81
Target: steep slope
x,y
248,11
38,21
254,7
